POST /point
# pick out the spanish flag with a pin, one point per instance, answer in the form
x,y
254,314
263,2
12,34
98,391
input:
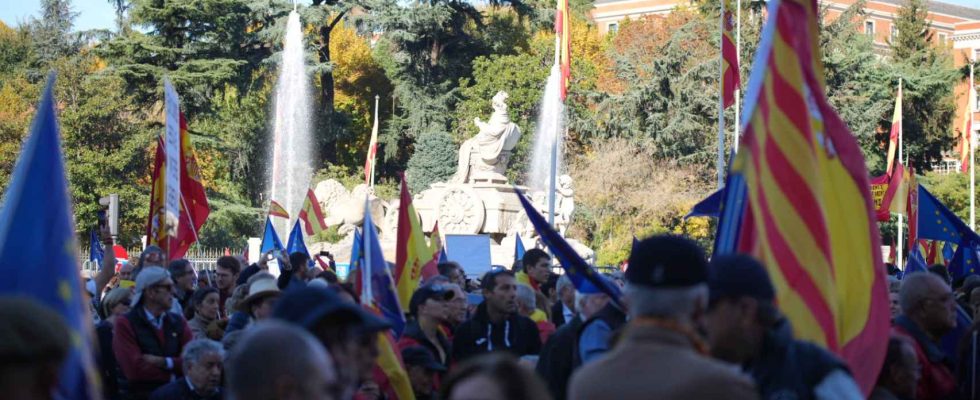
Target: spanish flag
x,y
966,135
312,215
894,133
798,199
563,31
729,55
277,210
411,251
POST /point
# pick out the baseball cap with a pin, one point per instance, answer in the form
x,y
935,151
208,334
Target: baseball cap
x,y
437,291
148,277
421,357
739,275
667,261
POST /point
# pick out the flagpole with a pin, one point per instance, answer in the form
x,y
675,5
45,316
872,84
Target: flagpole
x,y
901,248
720,164
366,295
375,156
973,192
738,59
553,171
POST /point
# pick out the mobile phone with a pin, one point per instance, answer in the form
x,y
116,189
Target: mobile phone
x,y
325,254
269,257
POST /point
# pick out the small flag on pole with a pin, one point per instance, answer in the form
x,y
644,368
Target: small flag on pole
x,y
270,240
894,132
277,210
563,27
312,215
372,153
966,135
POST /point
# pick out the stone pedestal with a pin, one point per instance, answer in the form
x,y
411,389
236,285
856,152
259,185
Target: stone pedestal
x,y
483,206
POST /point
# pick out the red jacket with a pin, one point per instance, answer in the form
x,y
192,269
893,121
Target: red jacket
x,y
129,355
938,381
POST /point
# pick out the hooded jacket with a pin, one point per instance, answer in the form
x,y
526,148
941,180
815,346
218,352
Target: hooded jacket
x,y
477,335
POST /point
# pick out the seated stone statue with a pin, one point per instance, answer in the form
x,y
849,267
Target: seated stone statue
x,y
486,154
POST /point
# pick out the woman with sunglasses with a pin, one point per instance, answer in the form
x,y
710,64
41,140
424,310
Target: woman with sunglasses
x,y
115,303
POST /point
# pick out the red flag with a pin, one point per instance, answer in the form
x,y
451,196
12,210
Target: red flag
x,y
894,133
277,210
312,215
194,208
966,135
563,31
729,55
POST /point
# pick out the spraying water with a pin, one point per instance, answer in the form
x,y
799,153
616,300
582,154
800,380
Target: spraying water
x,y
547,131
292,149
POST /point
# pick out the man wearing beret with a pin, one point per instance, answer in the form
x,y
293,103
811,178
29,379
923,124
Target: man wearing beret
x,y
745,327
661,355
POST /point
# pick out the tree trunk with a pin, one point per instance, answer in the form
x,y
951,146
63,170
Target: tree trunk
x,y
327,98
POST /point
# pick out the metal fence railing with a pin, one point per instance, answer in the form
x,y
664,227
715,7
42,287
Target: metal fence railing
x,y
200,258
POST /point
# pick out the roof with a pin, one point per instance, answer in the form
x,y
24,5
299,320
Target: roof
x,y
934,6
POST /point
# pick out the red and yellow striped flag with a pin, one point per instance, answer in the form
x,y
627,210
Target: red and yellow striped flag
x,y
894,133
966,135
731,79
563,27
312,215
277,210
809,216
411,251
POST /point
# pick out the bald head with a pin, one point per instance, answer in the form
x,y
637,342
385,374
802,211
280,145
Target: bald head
x,y
279,361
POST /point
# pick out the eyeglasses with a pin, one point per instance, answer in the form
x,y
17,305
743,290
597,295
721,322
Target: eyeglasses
x,y
168,287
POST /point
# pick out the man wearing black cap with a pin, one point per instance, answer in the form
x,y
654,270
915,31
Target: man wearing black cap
x,y
422,369
430,307
497,326
745,327
337,324
661,355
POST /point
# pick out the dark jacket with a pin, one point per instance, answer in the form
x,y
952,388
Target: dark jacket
x,y
557,314
413,336
107,361
180,390
559,357
789,368
477,335
135,336
937,381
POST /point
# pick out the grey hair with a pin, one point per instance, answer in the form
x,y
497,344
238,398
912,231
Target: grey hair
x,y
915,289
526,297
197,348
563,282
267,353
674,303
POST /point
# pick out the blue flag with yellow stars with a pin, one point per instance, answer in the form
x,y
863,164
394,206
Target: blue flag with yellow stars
x,y
295,244
915,262
964,261
95,251
36,218
583,277
270,240
936,222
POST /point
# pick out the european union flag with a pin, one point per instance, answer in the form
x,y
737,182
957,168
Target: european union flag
x,y
948,252
518,249
936,222
270,240
583,277
295,243
95,251
916,262
964,261
36,218
381,290
709,207
730,214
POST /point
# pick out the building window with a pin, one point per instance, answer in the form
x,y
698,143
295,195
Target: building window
x,y
869,28
942,39
894,32
613,27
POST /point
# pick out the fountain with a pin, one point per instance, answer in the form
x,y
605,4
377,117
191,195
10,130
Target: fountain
x,y
547,132
292,163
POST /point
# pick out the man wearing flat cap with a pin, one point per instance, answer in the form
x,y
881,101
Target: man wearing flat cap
x,y
745,327
149,339
661,354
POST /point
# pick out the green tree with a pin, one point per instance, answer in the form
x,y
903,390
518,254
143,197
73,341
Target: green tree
x,y
434,161
52,34
928,105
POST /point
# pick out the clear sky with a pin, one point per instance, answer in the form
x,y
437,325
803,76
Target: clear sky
x,y
100,14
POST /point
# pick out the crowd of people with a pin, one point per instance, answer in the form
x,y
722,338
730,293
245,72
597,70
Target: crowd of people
x,y
685,328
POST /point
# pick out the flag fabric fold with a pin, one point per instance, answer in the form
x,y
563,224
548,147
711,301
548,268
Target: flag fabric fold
x,y
966,133
95,251
295,244
372,151
563,27
893,133
312,215
799,193
36,219
936,222
518,249
583,277
965,260
709,207
277,210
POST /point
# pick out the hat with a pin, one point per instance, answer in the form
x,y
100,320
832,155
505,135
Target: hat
x,y
421,357
259,290
308,305
667,261
739,275
149,276
438,292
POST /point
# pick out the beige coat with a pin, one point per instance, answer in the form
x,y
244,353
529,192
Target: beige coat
x,y
656,363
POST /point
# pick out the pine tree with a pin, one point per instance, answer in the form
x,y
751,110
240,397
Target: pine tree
x,y
434,161
52,34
